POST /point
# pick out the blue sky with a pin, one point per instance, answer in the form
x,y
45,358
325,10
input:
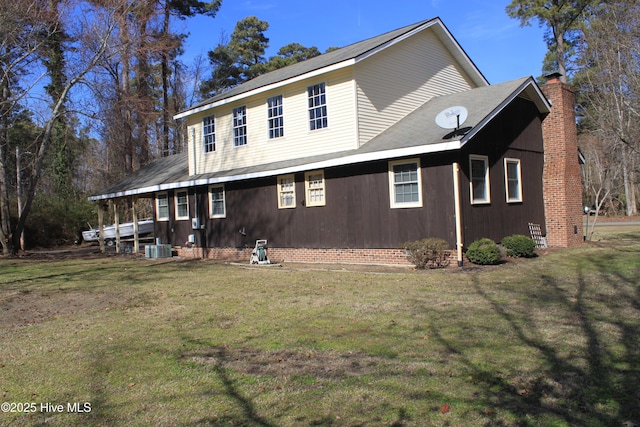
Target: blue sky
x,y
499,47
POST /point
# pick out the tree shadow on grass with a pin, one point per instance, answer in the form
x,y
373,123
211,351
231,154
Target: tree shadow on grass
x,y
590,381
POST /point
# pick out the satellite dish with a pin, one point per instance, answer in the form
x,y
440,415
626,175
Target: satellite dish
x,y
452,117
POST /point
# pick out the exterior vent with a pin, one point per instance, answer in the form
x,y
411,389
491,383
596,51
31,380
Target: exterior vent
x,y
157,251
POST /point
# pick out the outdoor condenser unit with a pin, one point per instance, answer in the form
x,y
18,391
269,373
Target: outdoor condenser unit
x,y
195,223
157,251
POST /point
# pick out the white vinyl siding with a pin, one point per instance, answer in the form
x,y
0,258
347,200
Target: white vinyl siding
x,y
426,69
162,207
512,180
479,179
298,140
405,184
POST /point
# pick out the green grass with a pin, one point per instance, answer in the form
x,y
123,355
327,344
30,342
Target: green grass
x,y
548,341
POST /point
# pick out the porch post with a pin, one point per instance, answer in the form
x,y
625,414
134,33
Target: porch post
x,y
116,221
134,212
101,208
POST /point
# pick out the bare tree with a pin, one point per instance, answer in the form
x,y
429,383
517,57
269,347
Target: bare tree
x,y
91,28
610,87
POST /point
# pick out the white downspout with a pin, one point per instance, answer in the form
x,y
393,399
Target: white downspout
x,y
456,197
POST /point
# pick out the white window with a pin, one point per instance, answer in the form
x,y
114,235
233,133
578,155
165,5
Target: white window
x,y
216,201
317,107
162,207
276,119
479,180
513,180
182,205
314,187
286,192
209,134
405,186
239,126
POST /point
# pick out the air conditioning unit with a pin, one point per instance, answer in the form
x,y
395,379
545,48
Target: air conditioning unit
x,y
157,251
195,223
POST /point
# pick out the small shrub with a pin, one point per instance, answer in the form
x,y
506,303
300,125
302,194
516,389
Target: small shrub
x,y
483,252
428,253
519,245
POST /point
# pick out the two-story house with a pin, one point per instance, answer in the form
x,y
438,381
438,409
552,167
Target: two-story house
x,y
346,156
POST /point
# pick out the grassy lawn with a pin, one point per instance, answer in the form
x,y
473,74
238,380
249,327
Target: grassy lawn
x,y
549,341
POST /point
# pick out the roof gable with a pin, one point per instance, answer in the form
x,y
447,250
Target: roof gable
x,y
339,58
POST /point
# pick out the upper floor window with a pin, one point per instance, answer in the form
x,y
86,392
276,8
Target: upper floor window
x,y
217,201
239,126
317,106
162,206
209,134
276,119
314,187
405,186
479,180
182,205
286,191
512,180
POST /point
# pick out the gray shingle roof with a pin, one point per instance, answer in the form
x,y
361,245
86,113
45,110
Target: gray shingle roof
x,y
417,132
348,52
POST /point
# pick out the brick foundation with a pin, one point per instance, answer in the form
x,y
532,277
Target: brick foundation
x,y
304,255
562,179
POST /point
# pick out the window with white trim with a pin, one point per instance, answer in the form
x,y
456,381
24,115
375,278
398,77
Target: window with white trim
x,y
209,134
240,126
317,106
217,201
479,179
276,119
405,185
286,192
512,180
162,207
182,205
314,188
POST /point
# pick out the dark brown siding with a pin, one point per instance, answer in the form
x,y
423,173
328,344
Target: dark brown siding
x,y
515,133
357,212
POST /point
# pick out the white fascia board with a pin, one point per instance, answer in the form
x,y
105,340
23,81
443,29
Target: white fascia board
x,y
340,161
266,88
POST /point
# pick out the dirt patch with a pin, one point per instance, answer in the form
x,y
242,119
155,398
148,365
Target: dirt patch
x,y
288,363
24,307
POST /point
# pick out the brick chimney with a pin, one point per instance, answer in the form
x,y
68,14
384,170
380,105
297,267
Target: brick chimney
x,y
562,179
